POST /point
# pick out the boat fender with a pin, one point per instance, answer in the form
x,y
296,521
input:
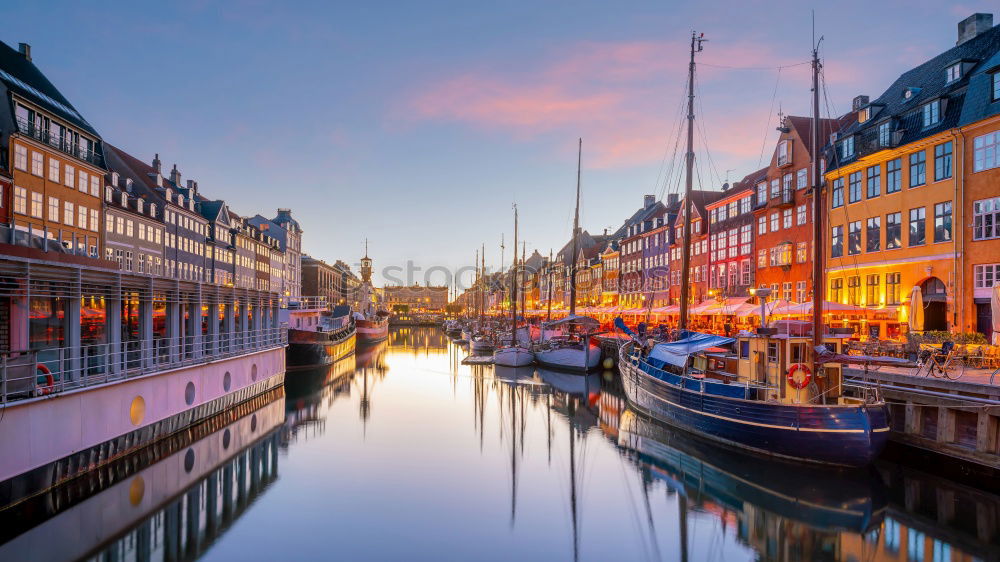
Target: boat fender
x,y
50,382
796,383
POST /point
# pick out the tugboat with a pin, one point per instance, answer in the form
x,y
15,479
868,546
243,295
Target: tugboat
x,y
316,335
372,321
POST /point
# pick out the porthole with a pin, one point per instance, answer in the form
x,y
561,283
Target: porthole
x,y
253,423
189,460
227,381
137,411
253,372
136,490
227,438
189,393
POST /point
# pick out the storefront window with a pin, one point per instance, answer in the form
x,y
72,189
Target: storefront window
x,y
46,323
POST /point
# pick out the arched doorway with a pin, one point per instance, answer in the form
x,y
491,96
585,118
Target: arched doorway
x,y
935,297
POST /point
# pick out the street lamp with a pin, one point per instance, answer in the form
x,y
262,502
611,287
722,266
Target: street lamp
x,y
762,294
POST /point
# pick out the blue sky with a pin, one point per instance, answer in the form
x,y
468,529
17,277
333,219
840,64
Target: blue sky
x,y
418,124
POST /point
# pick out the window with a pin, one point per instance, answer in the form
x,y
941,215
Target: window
x,y
784,152
865,114
95,188
893,175
746,272
942,161
854,187
94,220
800,215
69,211
918,168
775,188
83,181
772,350
872,285
69,175
802,179
836,289
853,289
873,232
761,258
837,196
787,181
744,205
774,222
854,238
986,275
36,204
931,113
985,150
918,234
847,148
54,170
37,164
942,222
800,291
786,218
745,239
801,252
762,225
986,219
892,288
53,209
996,86
21,200
762,192
21,158
884,134
872,182
786,290
893,231
953,72
81,216
120,225
837,242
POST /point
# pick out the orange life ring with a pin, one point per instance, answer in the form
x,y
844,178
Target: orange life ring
x,y
50,381
795,383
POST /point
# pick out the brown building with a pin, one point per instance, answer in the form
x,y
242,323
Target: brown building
x,y
55,157
417,298
698,278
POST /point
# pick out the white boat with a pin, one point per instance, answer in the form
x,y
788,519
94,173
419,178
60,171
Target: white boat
x,y
571,350
480,344
513,356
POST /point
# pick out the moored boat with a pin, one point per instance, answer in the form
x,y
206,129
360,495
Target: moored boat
x,y
372,328
571,349
514,353
319,337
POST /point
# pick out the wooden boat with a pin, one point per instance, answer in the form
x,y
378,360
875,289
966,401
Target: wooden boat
x,y
372,328
320,337
572,349
514,353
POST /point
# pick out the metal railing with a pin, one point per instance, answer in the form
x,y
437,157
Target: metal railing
x,y
41,134
305,303
27,374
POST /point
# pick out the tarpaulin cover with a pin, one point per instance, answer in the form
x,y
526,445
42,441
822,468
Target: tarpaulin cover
x,y
587,323
676,352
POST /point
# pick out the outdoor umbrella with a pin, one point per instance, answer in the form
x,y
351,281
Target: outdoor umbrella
x,y
916,310
995,308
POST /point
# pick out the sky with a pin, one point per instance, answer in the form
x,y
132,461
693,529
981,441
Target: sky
x,y
418,125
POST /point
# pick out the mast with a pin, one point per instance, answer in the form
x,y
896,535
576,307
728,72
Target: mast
x,y
817,274
576,226
696,42
549,285
513,288
524,303
482,296
475,287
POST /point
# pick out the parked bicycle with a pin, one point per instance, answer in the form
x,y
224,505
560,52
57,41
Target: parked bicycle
x,y
944,362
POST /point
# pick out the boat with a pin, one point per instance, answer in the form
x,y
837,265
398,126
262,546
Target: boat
x,y
318,336
777,393
372,320
568,345
481,344
514,353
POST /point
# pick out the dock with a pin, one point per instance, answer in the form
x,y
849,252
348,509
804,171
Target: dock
x,y
957,419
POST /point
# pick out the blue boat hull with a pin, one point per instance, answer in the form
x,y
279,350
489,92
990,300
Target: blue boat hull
x,y
846,435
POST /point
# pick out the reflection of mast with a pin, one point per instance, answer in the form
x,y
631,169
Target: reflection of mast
x,y
682,506
649,514
572,488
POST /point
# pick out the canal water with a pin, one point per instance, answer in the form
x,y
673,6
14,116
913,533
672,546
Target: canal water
x,y
401,452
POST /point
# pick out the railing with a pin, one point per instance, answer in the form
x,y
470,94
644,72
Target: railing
x,y
305,303
41,134
26,374
785,197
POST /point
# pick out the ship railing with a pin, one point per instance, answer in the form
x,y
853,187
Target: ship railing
x,y
42,372
305,303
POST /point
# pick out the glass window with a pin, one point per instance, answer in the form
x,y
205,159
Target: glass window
x,y
802,179
918,168
20,200
762,225
986,275
801,252
953,72
853,289
775,188
942,161
873,186
800,214
786,218
69,175
985,150
892,290
854,238
872,285
54,209
873,234
918,225
837,242
931,113
69,212
774,222
847,148
893,231
854,187
996,86
893,175
36,204
942,222
83,181
884,132
986,219
836,289
837,196
21,157
54,170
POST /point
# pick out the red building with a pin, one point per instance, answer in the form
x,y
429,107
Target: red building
x,y
730,231
699,247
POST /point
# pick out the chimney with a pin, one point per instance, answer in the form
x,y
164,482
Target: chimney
x,y
192,187
156,164
859,102
648,201
175,176
25,49
969,28
673,198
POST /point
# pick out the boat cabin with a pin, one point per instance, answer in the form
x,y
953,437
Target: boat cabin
x,y
767,360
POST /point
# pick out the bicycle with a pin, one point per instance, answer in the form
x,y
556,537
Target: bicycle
x,y
945,363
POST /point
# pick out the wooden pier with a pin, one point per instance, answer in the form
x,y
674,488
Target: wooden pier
x,y
956,419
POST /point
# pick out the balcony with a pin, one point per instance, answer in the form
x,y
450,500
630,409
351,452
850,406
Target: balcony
x,y
30,129
785,199
759,203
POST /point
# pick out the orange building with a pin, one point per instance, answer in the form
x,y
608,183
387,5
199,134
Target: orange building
x,y
698,277
730,228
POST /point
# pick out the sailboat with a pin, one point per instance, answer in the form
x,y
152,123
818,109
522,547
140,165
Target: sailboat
x,y
479,340
763,397
514,353
567,344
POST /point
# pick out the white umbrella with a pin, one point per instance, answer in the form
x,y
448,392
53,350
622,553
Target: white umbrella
x,y
916,320
995,310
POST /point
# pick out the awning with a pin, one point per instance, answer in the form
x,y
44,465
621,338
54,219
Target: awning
x,y
704,307
676,352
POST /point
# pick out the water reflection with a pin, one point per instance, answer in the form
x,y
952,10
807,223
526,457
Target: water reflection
x,y
380,460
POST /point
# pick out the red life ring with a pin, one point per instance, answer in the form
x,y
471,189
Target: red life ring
x,y
50,381
795,383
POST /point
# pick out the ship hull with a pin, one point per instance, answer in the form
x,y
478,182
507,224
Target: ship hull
x,y
513,357
844,435
312,349
372,331
570,359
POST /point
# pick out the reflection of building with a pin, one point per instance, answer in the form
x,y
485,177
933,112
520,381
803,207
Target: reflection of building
x,y
417,298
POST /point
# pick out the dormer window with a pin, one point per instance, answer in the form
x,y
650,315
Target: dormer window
x,y
885,134
152,210
124,199
996,86
847,148
931,113
108,194
139,205
953,72
169,195
784,153
865,114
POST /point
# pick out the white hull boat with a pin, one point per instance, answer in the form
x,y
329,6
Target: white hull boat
x,y
480,345
572,357
515,356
